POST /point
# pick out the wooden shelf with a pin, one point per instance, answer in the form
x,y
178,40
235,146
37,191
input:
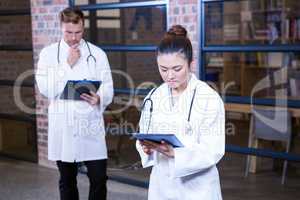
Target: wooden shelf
x,y
246,108
265,67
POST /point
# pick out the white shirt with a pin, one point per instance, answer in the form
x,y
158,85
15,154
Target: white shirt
x,y
76,129
192,173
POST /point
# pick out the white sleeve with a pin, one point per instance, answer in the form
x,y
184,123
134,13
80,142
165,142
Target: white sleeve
x,y
144,126
106,89
210,148
51,77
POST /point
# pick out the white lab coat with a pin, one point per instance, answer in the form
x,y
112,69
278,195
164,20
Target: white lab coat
x,y
75,129
192,173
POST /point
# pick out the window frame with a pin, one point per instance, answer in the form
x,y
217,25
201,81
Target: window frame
x,y
126,48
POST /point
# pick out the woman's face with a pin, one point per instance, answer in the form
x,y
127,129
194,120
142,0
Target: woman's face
x,y
174,70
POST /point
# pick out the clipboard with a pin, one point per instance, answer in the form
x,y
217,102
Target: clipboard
x,y
168,138
74,88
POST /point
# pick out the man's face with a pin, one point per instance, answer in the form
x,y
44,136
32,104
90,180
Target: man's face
x,y
72,33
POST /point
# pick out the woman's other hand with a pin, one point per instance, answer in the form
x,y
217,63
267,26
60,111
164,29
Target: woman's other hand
x,y
163,147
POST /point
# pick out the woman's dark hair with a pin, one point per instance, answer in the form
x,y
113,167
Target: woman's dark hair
x,y
176,41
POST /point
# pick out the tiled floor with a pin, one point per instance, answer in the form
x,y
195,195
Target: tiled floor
x,y
28,181
265,185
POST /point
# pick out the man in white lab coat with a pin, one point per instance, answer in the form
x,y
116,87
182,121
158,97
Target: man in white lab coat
x,y
76,130
194,112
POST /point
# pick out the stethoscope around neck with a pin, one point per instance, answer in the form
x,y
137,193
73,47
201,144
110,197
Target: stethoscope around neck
x,y
90,56
151,106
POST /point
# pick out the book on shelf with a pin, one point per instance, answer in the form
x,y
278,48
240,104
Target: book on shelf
x,y
251,59
274,60
216,62
260,59
271,60
295,90
231,31
256,5
292,29
287,29
274,4
261,34
214,23
231,7
298,28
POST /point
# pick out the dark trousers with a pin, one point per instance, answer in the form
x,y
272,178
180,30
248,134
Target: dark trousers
x,y
96,172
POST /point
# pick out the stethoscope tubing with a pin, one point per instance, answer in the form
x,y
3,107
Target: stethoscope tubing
x,y
87,59
151,106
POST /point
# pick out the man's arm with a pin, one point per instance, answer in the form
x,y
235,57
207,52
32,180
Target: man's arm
x,y
104,95
51,77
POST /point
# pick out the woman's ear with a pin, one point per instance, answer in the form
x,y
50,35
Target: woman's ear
x,y
193,66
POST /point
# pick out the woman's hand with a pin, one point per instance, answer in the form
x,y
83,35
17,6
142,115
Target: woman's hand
x,y
163,147
146,147
92,98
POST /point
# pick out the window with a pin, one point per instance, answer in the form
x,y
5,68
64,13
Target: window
x,y
128,31
249,43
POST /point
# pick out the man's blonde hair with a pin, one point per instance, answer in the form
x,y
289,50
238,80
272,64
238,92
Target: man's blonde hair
x,y
71,15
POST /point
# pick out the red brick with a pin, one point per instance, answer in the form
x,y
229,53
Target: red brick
x,y
42,36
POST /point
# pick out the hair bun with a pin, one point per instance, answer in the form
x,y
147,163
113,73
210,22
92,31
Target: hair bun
x,y
177,30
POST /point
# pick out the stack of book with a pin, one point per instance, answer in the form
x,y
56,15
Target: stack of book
x,y
231,31
215,62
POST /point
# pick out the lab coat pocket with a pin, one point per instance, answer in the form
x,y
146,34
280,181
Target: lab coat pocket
x,y
95,131
91,126
194,187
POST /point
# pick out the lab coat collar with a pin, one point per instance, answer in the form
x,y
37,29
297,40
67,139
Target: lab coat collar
x,y
192,84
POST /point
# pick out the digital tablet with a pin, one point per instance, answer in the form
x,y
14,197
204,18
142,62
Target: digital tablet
x,y
74,88
168,138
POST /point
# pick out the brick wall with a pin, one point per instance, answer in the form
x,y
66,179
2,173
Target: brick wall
x,y
11,69
15,30
45,30
19,4
185,12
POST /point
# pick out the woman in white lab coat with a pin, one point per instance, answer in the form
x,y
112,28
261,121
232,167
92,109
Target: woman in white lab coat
x,y
194,112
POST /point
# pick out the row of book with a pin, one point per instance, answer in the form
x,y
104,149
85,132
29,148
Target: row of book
x,y
272,33
231,31
214,22
292,29
265,4
259,59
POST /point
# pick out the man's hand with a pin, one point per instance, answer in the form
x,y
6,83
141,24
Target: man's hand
x,y
74,55
92,98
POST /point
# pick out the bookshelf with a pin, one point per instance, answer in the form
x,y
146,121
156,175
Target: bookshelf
x,y
253,22
251,40
256,52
